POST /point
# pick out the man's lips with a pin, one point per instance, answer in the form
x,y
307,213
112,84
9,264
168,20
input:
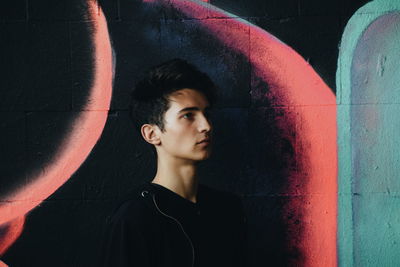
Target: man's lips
x,y
205,141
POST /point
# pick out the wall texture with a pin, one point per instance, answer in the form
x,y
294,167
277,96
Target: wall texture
x,y
69,152
367,96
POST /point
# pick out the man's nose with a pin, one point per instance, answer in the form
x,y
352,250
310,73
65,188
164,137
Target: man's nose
x,y
205,124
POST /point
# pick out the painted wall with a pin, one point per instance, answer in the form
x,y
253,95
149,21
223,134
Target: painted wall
x,y
368,104
69,152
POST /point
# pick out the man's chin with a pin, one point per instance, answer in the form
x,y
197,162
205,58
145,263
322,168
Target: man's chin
x,y
206,156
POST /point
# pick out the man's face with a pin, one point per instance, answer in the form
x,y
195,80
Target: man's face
x,y
187,131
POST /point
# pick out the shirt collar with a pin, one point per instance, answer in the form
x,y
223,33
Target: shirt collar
x,y
173,204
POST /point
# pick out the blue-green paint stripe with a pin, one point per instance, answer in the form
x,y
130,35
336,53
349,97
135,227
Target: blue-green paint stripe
x,y
356,26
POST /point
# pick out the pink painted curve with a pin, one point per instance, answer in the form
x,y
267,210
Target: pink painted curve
x,y
84,134
13,231
293,83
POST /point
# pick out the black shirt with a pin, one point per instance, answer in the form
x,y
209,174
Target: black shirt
x,y
154,226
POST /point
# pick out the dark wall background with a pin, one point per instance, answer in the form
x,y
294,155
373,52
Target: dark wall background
x,y
46,71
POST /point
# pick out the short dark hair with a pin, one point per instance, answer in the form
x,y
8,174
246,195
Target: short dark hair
x,y
149,98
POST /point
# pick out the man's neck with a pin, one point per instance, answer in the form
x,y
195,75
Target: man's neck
x,y
178,177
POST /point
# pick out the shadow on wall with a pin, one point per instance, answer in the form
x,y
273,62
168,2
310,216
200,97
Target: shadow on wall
x,y
275,124
20,196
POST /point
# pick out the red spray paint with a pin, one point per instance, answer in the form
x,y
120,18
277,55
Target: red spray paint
x,y
12,230
292,82
78,143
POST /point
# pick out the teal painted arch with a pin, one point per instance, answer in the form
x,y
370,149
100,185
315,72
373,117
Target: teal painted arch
x,y
368,99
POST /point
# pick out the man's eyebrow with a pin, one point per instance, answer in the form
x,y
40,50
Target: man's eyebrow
x,y
192,109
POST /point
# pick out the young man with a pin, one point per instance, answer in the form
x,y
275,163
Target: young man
x,y
174,220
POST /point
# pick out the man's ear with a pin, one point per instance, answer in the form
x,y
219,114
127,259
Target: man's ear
x,y
150,133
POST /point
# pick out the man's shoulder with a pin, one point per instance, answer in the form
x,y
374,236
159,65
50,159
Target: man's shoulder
x,y
218,193
224,205
220,197
135,206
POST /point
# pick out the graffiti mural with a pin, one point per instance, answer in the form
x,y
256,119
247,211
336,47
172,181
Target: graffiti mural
x,y
85,130
310,114
72,153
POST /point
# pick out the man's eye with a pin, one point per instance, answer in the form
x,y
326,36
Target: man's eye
x,y
188,116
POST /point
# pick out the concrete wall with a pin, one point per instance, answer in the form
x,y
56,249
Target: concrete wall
x,y
367,97
69,152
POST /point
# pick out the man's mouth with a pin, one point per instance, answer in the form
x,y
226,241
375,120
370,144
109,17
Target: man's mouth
x,y
205,141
